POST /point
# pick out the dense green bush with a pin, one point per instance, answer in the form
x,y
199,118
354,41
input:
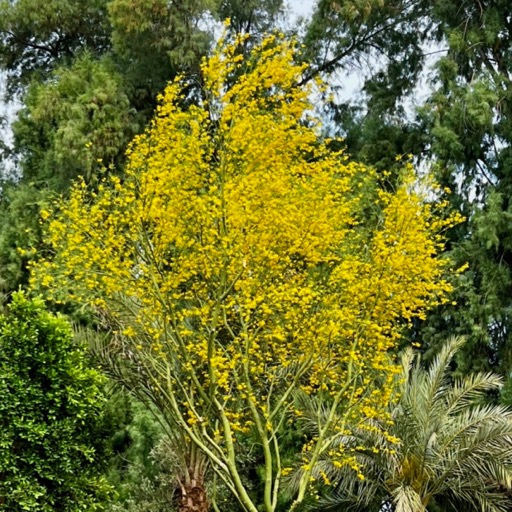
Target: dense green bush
x,y
51,404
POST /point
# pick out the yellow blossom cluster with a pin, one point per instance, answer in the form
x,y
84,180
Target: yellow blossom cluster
x,y
242,260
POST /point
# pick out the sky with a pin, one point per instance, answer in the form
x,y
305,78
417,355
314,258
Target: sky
x,y
7,112
300,7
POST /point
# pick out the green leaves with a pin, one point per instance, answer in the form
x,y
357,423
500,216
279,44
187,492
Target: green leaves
x,y
51,401
154,40
36,36
75,124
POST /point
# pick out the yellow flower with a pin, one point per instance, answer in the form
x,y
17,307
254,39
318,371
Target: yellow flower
x,y
250,259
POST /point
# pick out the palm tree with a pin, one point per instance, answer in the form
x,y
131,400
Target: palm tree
x,y
189,466
454,451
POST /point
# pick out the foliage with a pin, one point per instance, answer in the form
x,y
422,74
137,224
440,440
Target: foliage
x,y
69,124
150,471
381,45
36,36
141,474
468,119
21,230
154,40
241,260
51,402
342,34
448,447
87,75
257,18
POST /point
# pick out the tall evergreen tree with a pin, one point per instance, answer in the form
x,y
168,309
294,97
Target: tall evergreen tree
x,y
469,117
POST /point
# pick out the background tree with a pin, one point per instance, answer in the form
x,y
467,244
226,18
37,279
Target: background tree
x,y
381,44
51,403
69,124
37,36
144,467
469,121
276,266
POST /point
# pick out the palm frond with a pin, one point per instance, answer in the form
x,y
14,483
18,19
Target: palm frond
x,y
467,390
406,499
453,446
438,372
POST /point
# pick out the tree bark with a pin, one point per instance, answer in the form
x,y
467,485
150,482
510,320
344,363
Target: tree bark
x,y
192,495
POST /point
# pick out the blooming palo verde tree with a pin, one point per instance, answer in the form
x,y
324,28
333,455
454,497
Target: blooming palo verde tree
x,y
242,262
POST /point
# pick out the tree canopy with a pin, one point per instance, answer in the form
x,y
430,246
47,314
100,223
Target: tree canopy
x,y
240,260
